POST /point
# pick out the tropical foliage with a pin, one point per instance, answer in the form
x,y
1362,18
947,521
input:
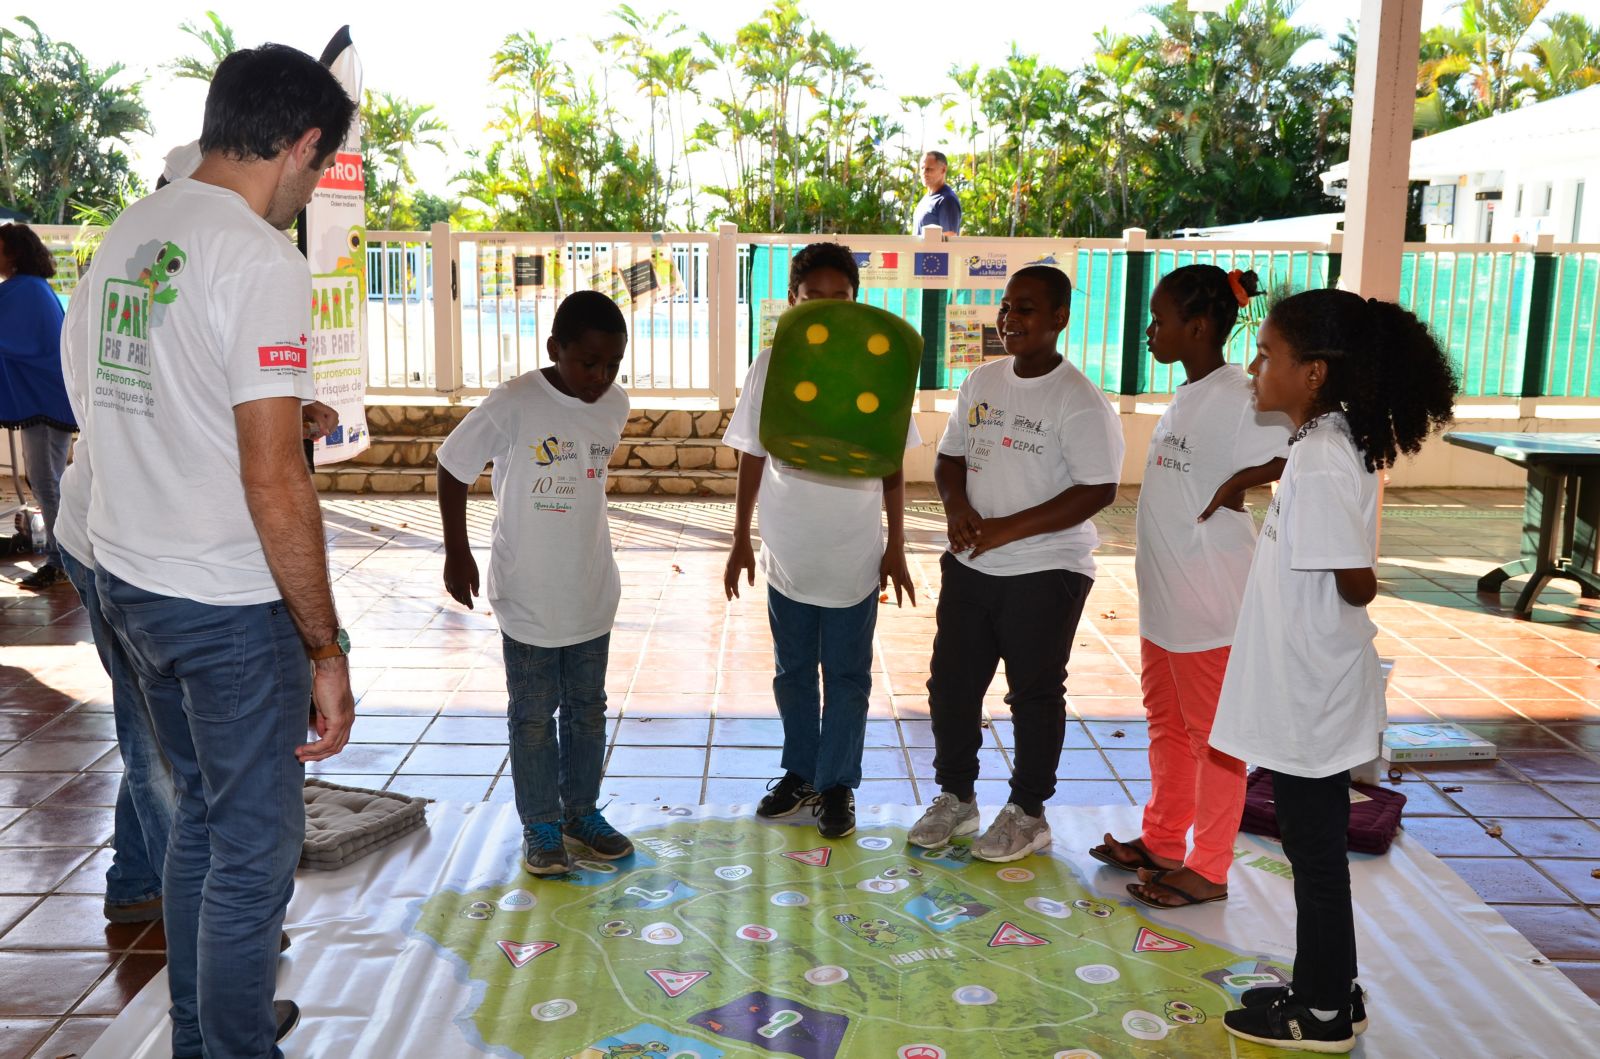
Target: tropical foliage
x,y
777,125
63,125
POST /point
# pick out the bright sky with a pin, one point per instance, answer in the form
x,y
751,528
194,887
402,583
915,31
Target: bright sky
x,y
433,56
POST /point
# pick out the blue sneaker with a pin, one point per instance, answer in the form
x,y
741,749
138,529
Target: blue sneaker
x,y
543,851
603,840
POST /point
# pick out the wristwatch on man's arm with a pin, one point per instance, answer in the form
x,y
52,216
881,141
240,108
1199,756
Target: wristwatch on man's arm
x,y
339,646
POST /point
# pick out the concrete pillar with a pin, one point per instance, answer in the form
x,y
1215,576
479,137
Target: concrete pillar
x,y
1380,146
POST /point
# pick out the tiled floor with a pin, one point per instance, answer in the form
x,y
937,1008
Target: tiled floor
x,y
690,689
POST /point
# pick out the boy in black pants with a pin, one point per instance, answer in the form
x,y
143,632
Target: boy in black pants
x,y
1031,453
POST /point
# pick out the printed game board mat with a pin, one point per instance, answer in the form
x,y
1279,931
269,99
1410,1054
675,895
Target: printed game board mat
x,y
724,937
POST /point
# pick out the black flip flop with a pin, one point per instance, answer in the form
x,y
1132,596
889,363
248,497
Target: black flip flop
x,y
1102,854
1188,898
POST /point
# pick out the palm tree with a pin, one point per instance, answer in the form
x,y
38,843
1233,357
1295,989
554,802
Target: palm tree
x,y
395,128
1474,68
218,40
526,64
1566,58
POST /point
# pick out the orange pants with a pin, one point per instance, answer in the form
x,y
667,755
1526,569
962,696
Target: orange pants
x,y
1190,783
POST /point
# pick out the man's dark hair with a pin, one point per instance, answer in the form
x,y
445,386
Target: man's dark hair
x,y
264,99
836,256
1056,284
26,251
937,156
586,310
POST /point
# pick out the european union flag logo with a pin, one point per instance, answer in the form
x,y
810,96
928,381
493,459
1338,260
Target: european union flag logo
x,y
931,265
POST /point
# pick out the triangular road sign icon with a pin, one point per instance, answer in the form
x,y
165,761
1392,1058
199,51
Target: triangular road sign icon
x,y
1011,934
1149,941
817,858
520,953
676,983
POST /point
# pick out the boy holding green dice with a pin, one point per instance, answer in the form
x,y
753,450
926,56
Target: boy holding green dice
x,y
826,560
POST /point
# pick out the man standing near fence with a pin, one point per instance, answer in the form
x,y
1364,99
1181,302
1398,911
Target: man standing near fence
x,y
940,205
207,535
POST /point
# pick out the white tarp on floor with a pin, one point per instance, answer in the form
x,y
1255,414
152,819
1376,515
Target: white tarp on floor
x,y
380,971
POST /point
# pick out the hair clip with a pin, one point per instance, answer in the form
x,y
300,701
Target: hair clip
x,y
1239,293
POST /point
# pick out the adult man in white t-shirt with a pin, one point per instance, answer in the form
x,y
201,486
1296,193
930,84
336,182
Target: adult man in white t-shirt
x,y
206,531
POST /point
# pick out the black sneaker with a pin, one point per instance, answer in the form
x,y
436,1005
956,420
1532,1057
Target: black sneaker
x,y
603,840
789,794
1268,993
544,851
287,1012
1287,1023
835,810
47,576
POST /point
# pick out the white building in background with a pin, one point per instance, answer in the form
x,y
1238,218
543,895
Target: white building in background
x,y
1512,177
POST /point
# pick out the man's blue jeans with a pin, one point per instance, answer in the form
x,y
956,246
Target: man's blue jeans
x,y
824,729
227,689
556,760
145,796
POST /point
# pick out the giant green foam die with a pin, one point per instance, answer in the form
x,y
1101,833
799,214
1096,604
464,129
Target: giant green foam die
x,y
840,385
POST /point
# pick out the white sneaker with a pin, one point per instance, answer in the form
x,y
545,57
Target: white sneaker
x,y
946,818
1013,835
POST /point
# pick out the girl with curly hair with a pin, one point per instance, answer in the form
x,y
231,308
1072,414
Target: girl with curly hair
x,y
1362,381
33,396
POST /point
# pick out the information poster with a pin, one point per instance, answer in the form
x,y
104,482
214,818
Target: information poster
x,y
771,309
971,335
334,238
65,281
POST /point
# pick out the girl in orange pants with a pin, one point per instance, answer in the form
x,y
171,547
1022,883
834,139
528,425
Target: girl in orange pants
x,y
1194,546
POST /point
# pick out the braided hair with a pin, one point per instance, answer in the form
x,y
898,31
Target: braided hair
x,y
1206,290
1386,372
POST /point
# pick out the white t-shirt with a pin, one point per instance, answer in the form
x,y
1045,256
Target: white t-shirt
x,y
1303,693
1026,441
821,536
72,511
199,305
552,579
1191,574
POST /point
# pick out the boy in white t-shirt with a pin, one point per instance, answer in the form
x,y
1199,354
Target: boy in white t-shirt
x,y
1031,453
824,556
553,580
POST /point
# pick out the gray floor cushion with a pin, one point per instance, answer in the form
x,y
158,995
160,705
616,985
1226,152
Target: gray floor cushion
x,y
344,824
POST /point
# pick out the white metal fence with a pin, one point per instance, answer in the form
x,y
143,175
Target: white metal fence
x,y
452,314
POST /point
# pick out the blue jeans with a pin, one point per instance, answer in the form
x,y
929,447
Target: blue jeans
x,y
822,743
44,454
145,797
227,689
556,761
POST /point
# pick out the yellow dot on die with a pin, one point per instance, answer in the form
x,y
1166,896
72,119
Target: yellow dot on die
x,y
829,459
867,402
858,470
806,391
816,334
858,455
798,462
878,345
801,444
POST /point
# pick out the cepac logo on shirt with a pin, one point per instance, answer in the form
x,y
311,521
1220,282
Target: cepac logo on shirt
x,y
284,357
1018,445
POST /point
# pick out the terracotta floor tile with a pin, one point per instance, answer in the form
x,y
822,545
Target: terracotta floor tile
x,y
1446,836
26,789
459,729
992,763
1555,765
90,875
1575,876
744,762
480,704
1505,799
1586,736
88,789
386,729
20,724
77,725
454,759
47,983
36,871
1549,838
1501,881
666,761
73,1038
646,790
1586,976
71,922
663,731
130,975
1089,792
443,788
52,826
1562,933
1582,798
19,1036
1519,736
37,755
1425,800
748,731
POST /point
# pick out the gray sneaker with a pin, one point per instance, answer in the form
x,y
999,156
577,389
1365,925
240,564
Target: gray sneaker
x,y
1013,835
946,818
543,851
